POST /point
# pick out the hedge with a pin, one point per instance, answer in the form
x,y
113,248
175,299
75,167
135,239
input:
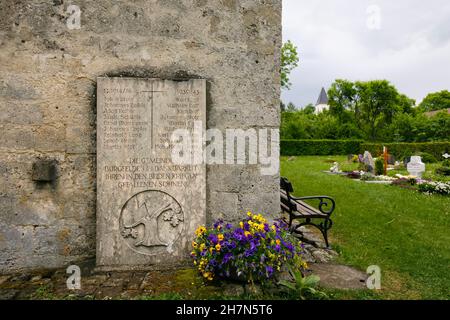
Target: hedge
x,y
319,147
344,147
401,150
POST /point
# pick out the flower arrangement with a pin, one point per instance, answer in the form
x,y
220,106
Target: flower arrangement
x,y
253,249
431,187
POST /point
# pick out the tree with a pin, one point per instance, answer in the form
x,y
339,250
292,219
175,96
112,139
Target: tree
x,y
289,61
291,107
309,109
406,104
435,101
342,96
378,105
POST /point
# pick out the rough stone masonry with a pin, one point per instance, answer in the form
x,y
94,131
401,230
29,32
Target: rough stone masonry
x,y
49,66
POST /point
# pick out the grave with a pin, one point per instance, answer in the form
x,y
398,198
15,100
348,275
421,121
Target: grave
x,y
416,167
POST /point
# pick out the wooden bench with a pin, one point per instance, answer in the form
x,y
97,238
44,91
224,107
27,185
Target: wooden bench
x,y
300,210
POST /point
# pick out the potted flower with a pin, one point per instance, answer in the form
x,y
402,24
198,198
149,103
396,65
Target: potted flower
x,y
252,250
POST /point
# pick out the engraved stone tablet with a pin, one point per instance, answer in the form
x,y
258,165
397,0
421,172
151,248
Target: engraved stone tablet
x,y
148,207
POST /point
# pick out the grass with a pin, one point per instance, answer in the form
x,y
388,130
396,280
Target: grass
x,y
402,231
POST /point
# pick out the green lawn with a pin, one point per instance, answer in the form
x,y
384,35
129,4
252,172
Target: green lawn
x,y
404,232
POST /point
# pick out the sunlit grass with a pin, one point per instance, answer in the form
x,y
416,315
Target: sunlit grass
x,y
402,231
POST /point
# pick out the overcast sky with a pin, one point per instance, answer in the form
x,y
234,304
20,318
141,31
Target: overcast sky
x,y
409,44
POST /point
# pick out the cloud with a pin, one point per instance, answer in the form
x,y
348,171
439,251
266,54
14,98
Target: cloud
x,y
411,48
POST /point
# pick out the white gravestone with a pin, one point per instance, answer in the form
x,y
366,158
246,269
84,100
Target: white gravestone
x,y
416,167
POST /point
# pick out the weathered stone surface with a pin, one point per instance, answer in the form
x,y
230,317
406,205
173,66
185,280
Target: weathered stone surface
x,y
339,276
149,205
48,107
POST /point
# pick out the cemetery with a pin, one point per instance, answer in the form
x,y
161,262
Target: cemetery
x,y
146,154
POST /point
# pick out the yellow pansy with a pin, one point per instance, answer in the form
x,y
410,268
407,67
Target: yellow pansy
x,y
218,247
200,230
220,237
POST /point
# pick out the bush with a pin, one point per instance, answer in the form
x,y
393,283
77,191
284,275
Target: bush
x,y
402,150
319,147
446,163
443,171
379,166
426,157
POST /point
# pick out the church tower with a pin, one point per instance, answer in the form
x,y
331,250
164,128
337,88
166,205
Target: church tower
x,y
322,102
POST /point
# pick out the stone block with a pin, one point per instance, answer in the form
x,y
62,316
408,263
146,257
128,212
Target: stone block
x,y
44,170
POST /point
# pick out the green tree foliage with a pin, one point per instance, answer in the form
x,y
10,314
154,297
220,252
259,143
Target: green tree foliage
x,y
372,110
291,107
309,109
289,61
435,101
342,96
378,105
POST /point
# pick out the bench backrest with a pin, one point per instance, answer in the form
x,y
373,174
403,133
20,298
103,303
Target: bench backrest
x,y
286,186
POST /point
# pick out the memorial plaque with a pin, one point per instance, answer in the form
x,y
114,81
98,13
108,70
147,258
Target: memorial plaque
x,y
148,206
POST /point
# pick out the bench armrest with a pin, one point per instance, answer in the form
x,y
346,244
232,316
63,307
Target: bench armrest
x,y
325,201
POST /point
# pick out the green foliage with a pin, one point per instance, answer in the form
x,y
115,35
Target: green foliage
x,y
443,171
372,110
418,128
426,157
377,106
435,101
402,150
319,147
43,292
379,166
303,287
309,109
303,124
446,163
289,61
341,97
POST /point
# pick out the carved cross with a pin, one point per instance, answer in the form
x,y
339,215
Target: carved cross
x,y
152,123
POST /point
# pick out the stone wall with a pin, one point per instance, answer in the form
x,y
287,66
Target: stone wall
x,y
48,106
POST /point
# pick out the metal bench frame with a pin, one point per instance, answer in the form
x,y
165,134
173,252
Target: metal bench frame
x,y
300,210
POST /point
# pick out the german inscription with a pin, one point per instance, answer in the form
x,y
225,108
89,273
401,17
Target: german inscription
x,y
147,206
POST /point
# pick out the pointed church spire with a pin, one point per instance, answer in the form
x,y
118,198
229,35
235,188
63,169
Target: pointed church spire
x,y
323,98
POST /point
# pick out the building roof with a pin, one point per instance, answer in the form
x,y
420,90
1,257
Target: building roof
x,y
433,113
323,98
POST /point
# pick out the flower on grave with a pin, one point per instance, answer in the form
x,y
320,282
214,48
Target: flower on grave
x,y
253,248
434,187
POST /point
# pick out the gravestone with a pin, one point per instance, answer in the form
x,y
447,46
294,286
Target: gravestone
x,y
391,159
368,160
416,167
148,207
